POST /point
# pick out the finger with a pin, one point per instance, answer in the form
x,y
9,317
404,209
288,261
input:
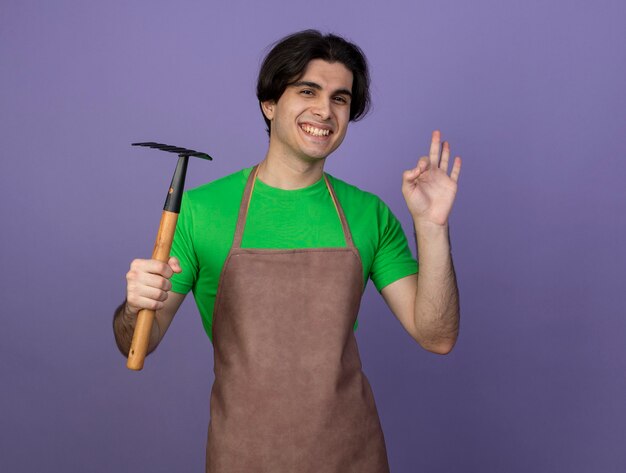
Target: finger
x,y
420,167
456,169
152,293
156,281
175,264
148,303
445,157
423,164
435,148
152,266
143,297
410,175
139,280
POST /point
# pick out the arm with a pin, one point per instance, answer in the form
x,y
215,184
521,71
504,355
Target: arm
x,y
148,287
427,304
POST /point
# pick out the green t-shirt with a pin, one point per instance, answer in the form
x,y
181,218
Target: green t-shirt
x,y
277,218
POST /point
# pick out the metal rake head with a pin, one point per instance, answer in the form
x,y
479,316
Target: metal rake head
x,y
175,149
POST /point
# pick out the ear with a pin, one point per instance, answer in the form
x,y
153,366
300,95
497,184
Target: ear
x,y
268,108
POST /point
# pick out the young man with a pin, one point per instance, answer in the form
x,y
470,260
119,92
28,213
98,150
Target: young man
x,y
278,256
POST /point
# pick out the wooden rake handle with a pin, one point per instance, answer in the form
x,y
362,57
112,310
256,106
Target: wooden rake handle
x,y
145,317
162,246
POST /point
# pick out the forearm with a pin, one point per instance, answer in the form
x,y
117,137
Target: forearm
x,y
124,326
437,297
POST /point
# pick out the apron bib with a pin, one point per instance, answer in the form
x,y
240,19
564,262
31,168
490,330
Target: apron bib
x,y
289,394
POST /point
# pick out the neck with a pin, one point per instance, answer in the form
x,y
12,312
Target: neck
x,y
289,173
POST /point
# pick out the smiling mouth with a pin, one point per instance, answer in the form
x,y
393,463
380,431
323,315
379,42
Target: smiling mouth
x,y
314,131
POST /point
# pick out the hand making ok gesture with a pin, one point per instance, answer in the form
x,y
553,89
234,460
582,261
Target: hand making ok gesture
x,y
428,190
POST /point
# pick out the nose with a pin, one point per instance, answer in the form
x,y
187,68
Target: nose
x,y
321,108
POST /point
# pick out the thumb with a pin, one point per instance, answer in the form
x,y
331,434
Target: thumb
x,y
423,164
175,264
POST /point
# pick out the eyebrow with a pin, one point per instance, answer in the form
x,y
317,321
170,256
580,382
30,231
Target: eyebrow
x,y
316,86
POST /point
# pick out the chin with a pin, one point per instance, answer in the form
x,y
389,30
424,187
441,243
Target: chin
x,y
315,156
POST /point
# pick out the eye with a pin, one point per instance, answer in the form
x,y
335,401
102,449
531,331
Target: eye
x,y
306,92
341,99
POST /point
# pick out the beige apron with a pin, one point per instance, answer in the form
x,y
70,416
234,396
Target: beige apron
x,y
289,394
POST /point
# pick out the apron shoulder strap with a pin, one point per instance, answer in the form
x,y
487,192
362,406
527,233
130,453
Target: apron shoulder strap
x,y
243,208
344,223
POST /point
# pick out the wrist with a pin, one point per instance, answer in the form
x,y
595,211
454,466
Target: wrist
x,y
429,230
129,314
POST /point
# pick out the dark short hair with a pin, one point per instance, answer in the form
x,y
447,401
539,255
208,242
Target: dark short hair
x,y
289,57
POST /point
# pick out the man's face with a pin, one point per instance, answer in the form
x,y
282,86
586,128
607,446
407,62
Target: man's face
x,y
310,119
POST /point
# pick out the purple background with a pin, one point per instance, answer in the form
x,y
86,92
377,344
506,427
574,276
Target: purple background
x,y
530,93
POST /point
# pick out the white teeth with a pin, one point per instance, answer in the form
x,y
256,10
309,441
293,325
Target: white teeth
x,y
315,131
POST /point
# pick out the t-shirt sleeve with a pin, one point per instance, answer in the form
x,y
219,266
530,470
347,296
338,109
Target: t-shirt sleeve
x,y
182,248
393,259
